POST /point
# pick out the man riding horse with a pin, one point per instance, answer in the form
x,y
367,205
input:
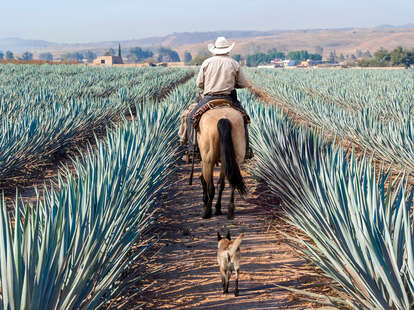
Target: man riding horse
x,y
219,76
221,126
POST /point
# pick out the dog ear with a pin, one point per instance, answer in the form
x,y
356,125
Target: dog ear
x,y
218,236
228,235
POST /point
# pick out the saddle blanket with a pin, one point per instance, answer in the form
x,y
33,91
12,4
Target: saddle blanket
x,y
217,103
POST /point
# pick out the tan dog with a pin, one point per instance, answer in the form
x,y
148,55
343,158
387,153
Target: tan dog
x,y
228,257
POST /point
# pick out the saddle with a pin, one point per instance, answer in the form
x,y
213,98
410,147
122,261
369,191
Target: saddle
x,y
214,104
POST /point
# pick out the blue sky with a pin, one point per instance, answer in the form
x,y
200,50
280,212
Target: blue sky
x,y
93,20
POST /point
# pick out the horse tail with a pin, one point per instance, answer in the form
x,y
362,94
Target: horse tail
x,y
229,165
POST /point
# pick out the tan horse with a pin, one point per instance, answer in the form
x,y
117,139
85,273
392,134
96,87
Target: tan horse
x,y
221,138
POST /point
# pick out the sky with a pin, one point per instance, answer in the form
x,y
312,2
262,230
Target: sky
x,y
92,20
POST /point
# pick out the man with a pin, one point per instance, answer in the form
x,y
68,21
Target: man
x,y
219,77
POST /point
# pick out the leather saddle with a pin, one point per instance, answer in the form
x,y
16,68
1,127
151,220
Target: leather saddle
x,y
214,104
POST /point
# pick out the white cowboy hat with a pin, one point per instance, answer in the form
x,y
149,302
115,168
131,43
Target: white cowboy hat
x,y
221,47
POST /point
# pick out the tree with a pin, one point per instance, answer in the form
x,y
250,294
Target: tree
x,y
27,56
303,55
73,56
254,60
198,60
110,52
397,57
315,57
187,57
332,57
1,55
46,56
89,55
341,57
298,55
359,54
400,56
9,55
137,54
167,55
119,50
367,54
382,57
274,54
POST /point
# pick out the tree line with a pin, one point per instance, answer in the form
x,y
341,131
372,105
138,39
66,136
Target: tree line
x,y
135,54
10,55
162,54
254,60
396,58
381,58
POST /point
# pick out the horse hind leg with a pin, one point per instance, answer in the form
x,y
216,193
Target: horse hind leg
x,y
220,184
207,208
208,189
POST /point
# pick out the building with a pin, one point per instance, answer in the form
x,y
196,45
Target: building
x,y
309,63
108,60
266,66
282,63
277,63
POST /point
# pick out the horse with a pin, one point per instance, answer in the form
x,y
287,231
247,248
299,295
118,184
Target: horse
x,y
221,138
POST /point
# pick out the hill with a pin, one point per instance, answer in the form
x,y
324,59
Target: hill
x,y
344,40
17,44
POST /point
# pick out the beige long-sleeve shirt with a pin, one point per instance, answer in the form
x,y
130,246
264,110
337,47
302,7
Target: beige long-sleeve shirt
x,y
219,75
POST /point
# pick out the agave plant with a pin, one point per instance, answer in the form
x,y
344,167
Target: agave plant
x,y
359,222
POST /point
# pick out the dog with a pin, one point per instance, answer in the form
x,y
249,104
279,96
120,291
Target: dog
x,y
228,257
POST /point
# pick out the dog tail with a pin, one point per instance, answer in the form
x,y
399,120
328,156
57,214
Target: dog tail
x,y
229,165
236,244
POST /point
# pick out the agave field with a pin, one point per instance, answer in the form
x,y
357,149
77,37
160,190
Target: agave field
x,y
69,248
373,109
360,223
45,110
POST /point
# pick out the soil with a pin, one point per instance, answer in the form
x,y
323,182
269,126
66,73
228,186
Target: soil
x,y
188,276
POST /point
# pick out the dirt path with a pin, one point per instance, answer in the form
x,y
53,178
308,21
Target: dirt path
x,y
186,255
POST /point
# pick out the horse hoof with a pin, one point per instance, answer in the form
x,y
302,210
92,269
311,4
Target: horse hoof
x,y
236,293
230,217
207,214
218,212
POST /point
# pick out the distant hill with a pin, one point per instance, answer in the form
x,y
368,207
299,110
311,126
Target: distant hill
x,y
177,39
172,40
343,40
17,44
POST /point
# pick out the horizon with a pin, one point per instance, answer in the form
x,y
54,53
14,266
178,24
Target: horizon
x,y
207,31
102,21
